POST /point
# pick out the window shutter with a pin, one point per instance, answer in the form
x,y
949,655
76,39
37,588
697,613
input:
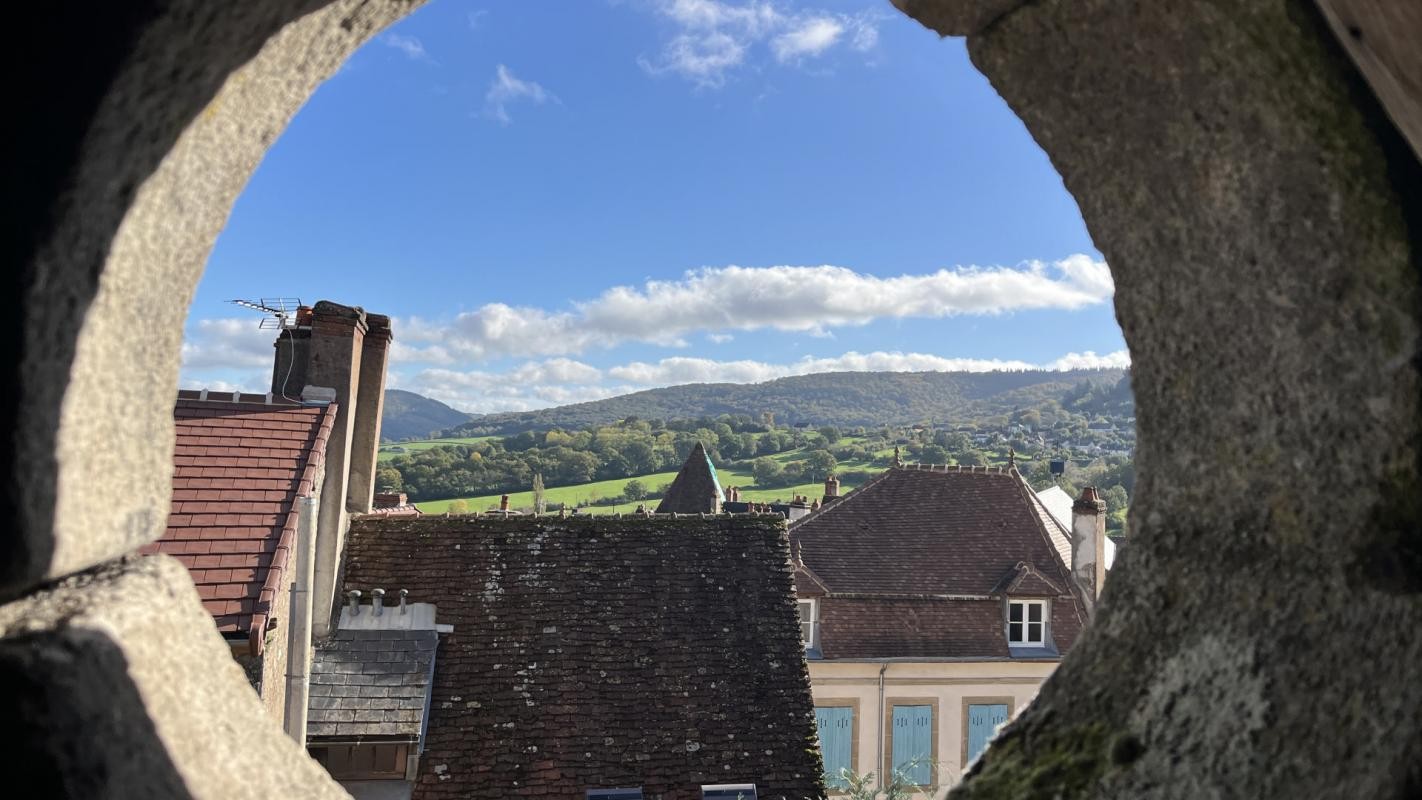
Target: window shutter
x,y
836,726
983,721
913,743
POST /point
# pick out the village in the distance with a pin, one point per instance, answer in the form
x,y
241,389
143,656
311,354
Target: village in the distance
x,y
759,603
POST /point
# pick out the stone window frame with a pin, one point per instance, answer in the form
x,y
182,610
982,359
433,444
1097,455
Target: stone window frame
x,y
979,700
851,703
934,740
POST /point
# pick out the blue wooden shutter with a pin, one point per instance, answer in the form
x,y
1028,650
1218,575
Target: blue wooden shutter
x,y
913,743
983,721
836,724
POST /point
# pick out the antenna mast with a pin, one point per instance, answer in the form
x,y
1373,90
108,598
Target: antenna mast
x,y
280,311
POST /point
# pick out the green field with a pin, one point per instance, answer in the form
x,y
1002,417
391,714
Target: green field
x,y
572,495
391,450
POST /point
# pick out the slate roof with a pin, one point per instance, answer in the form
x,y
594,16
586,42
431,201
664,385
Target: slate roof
x,y
238,468
696,489
915,563
600,651
371,683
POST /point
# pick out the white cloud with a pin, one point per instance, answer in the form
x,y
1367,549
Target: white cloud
x,y
719,338
476,18
554,382
412,47
482,392
227,344
1089,360
506,88
787,298
811,37
711,38
678,370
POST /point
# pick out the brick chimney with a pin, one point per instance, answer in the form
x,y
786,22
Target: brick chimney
x,y
831,489
369,406
504,503
1088,544
337,353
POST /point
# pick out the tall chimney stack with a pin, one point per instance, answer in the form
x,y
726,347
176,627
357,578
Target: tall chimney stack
x,y
1088,544
369,405
831,489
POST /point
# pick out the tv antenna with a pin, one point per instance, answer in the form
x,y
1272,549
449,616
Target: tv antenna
x,y
280,311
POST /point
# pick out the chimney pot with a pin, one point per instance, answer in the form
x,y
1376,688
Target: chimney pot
x,y
354,597
377,599
403,594
504,503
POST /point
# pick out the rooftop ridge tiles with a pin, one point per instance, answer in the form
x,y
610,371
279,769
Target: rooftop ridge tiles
x,y
315,459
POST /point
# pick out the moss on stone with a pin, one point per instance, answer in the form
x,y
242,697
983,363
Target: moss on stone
x,y
1065,765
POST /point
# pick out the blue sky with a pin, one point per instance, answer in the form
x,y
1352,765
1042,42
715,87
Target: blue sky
x,y
559,202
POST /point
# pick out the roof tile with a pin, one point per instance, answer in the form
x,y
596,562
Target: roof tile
x,y
237,470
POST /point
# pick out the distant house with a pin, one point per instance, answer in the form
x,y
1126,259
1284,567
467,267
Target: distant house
x,y
933,603
601,652
799,506
393,504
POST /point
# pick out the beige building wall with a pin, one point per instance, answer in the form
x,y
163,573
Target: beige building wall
x,y
946,686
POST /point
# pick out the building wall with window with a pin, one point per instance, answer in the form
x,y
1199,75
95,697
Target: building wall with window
x,y
961,702
933,603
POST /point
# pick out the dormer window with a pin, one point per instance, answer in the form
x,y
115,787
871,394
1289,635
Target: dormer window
x,y
1026,623
809,623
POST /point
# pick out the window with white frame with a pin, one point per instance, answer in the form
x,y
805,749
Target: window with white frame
x,y
1027,623
809,622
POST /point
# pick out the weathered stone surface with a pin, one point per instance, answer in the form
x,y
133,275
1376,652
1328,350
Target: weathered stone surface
x,y
1263,223
180,104
118,685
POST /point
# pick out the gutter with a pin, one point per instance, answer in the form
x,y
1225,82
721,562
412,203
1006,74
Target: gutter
x,y
298,646
884,667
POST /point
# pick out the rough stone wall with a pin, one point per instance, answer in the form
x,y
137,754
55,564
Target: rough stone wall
x,y
117,685
126,161
661,652
1261,637
274,654
1260,216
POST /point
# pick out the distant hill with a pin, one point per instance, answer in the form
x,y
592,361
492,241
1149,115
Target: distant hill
x,y
411,416
831,398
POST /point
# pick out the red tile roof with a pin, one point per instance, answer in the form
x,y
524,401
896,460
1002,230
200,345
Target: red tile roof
x,y
928,532
916,561
238,469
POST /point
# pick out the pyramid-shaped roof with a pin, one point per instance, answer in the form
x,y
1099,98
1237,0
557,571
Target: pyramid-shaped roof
x,y
696,489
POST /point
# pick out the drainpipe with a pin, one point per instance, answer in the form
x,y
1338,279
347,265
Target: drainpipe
x,y
298,643
884,667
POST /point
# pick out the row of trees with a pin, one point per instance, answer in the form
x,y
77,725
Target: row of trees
x,y
566,458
